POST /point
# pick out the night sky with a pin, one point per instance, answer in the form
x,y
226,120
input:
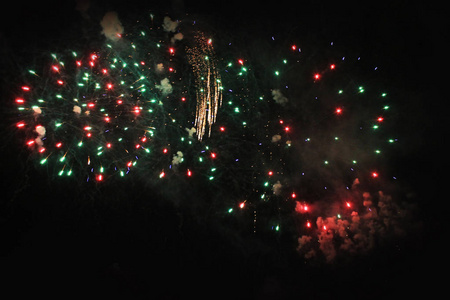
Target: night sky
x,y
67,237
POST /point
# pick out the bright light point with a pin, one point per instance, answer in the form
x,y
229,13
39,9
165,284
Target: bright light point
x,y
91,105
109,86
324,227
165,150
108,145
240,61
55,68
287,129
20,125
380,119
317,76
58,145
222,129
374,174
270,173
308,224
20,101
25,88
189,173
348,204
294,47
241,205
30,142
171,50
293,195
99,177
338,110
129,164
332,66
183,99
107,119
213,155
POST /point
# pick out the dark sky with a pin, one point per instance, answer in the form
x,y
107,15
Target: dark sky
x,y
102,248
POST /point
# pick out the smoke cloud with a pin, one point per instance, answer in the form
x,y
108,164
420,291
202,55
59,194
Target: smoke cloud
x,y
279,97
276,188
352,232
77,109
169,25
276,138
177,158
165,87
112,27
191,131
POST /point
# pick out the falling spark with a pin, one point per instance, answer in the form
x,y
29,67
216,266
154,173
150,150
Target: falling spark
x,y
208,82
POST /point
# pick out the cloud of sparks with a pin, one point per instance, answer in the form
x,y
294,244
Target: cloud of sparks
x,y
208,83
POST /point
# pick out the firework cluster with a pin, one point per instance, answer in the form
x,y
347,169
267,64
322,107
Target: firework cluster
x,y
297,144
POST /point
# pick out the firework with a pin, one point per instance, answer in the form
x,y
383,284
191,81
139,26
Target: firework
x,y
208,84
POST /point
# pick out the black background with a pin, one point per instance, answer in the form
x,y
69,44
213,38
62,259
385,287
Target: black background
x,y
54,245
